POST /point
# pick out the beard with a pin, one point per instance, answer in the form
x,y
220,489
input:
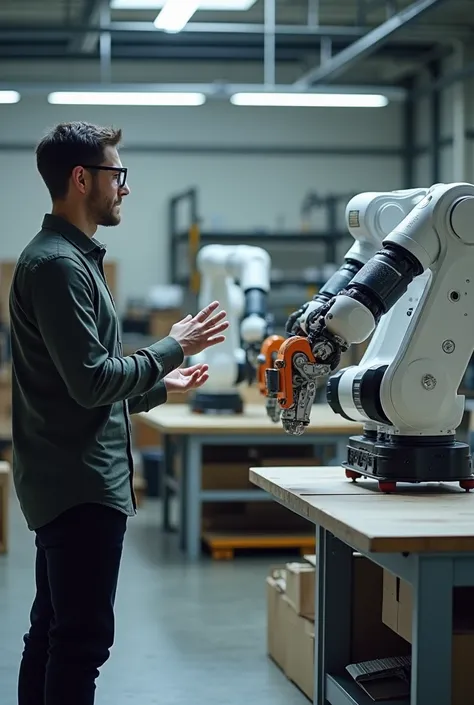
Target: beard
x,y
102,210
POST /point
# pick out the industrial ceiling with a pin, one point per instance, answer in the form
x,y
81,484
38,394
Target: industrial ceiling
x,y
301,42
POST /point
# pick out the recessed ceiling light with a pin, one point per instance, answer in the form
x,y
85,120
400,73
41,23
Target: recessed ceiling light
x,y
126,98
309,100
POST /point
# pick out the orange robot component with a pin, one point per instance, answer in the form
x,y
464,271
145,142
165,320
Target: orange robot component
x,y
266,359
280,381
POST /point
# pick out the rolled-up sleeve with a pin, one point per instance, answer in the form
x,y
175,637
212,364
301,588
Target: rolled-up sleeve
x,y
63,306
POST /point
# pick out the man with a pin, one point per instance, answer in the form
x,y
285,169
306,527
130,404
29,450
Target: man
x,y
72,393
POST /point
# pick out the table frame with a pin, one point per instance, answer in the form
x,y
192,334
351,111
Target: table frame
x,y
433,576
188,487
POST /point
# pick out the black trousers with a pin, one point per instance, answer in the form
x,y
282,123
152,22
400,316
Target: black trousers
x,y
72,618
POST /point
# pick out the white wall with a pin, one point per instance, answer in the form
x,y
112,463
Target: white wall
x,y
238,190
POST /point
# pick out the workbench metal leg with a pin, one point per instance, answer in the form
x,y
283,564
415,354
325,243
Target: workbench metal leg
x,y
190,500
432,629
333,611
168,467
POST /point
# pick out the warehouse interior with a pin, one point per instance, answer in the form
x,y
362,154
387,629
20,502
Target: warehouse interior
x,y
245,122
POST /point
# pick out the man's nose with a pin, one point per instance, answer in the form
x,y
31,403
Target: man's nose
x,y
125,190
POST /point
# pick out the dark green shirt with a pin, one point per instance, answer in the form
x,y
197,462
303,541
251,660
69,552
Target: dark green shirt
x,y
72,388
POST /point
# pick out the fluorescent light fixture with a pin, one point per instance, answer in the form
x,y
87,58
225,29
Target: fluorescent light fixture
x,y
176,14
225,5
125,98
9,96
310,100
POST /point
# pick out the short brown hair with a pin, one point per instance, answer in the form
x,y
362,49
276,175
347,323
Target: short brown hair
x,y
71,144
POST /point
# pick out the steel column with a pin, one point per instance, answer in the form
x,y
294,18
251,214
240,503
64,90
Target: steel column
x,y
409,126
366,45
269,44
461,166
361,12
105,44
435,126
313,13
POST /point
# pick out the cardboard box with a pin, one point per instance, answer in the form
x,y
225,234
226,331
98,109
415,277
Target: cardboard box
x,y
397,614
300,588
277,609
300,650
290,636
226,476
371,637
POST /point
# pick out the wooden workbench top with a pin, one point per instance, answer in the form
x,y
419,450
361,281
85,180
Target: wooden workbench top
x,y
417,518
178,418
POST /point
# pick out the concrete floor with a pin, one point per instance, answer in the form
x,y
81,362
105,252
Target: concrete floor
x,y
185,632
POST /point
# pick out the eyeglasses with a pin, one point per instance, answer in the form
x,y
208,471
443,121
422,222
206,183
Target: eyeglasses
x,y
121,171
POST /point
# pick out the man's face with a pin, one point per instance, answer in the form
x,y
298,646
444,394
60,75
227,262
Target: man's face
x,y
104,200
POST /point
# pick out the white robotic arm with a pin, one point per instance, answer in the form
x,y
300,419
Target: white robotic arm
x,y
233,361
370,217
411,397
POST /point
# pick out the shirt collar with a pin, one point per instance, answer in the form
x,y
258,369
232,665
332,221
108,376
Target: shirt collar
x,y
76,237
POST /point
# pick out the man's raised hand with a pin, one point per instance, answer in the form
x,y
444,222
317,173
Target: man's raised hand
x,y
196,333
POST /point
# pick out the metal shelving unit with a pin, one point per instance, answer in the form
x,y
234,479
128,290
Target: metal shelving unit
x,y
186,241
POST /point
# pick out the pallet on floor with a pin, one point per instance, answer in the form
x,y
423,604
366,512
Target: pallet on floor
x,y
223,545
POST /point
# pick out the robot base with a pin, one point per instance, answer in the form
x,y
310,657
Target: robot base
x,y
217,403
409,459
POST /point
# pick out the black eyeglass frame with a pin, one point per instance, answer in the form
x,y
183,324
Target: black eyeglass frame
x,y
122,170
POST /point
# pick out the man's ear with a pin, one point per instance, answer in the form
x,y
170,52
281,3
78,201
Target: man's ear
x,y
78,178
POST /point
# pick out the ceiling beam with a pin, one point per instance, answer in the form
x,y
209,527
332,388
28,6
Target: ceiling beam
x,y
366,45
426,33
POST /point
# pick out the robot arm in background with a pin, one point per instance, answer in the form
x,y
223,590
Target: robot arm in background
x,y
291,388
246,304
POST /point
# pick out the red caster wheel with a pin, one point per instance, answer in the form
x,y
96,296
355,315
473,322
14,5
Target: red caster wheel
x,y
353,475
387,487
466,485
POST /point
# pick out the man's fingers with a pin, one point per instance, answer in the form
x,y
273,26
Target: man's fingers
x,y
220,328
206,312
214,341
200,380
199,367
215,319
196,380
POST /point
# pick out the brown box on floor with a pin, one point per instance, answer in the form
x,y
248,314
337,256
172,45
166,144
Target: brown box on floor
x,y
290,638
300,588
300,650
397,614
277,608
